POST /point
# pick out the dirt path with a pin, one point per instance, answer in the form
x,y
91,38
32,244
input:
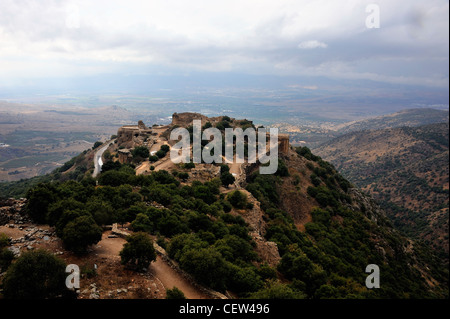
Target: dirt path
x,y
170,278
160,270
112,275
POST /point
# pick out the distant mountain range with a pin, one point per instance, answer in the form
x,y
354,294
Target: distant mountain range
x,y
408,117
404,165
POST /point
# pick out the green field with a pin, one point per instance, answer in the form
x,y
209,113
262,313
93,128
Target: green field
x,y
30,138
28,161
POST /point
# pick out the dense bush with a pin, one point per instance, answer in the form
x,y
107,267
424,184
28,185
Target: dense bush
x,y
175,293
140,152
238,199
80,233
35,275
138,252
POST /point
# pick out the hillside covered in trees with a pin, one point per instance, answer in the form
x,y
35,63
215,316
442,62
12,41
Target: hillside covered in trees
x,y
406,170
324,229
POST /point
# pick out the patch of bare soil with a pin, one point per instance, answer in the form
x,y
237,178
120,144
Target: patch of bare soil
x,y
102,274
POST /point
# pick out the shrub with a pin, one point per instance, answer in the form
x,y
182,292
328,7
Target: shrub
x,y
238,199
39,199
141,223
189,165
114,178
140,151
165,148
138,252
207,266
35,275
4,240
111,166
80,233
277,290
160,154
175,293
6,258
227,178
97,144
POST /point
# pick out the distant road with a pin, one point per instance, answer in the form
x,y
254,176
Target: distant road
x,y
98,162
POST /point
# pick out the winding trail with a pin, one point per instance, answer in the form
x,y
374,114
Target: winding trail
x,y
168,277
171,278
98,163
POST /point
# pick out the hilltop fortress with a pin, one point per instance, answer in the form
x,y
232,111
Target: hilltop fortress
x,y
130,136
186,119
133,134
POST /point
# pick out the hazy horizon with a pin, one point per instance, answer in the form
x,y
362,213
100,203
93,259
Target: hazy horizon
x,y
313,53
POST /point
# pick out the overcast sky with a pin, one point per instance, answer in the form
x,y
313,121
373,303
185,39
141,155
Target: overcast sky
x,y
45,38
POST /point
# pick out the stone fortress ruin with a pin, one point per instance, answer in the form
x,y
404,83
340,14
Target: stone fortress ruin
x,y
131,136
185,119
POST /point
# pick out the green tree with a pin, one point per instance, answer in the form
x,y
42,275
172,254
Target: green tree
x,y
140,151
227,178
175,293
56,210
189,165
97,144
80,233
207,266
111,166
183,176
165,148
138,252
4,240
101,211
114,178
6,258
141,223
39,199
277,290
160,154
238,199
35,275
206,126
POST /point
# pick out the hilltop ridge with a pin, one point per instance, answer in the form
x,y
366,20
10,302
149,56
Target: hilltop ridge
x,y
303,232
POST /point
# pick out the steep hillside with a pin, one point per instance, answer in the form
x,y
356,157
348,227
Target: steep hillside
x,y
313,212
406,170
303,232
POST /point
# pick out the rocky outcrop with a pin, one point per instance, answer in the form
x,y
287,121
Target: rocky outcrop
x,y
130,136
124,156
266,250
13,210
366,205
204,172
120,233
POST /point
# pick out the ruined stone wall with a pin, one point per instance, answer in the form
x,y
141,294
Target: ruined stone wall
x,y
283,144
125,135
185,119
124,156
131,135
